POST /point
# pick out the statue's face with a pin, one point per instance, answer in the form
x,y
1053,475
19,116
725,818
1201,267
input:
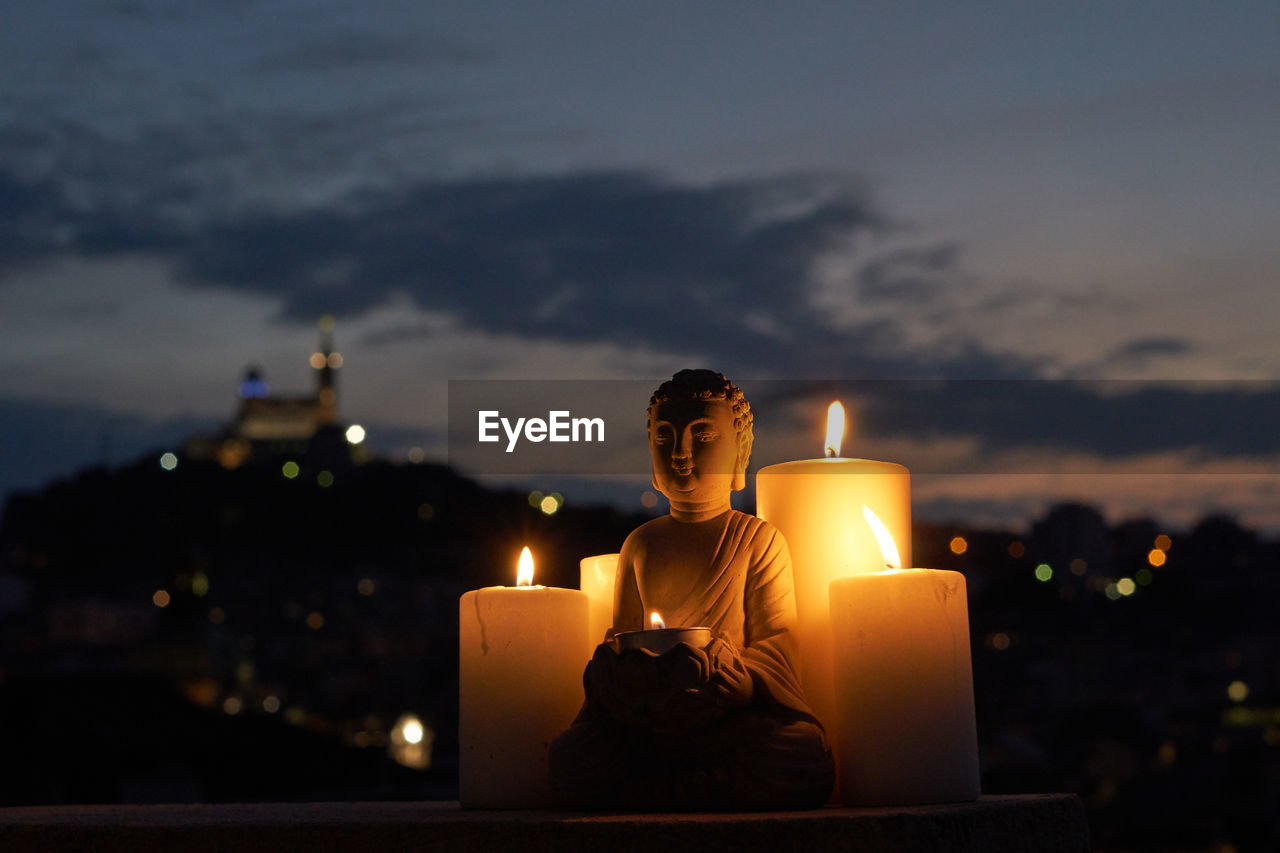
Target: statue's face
x,y
695,449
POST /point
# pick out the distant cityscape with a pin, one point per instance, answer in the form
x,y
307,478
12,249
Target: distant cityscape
x,y
271,613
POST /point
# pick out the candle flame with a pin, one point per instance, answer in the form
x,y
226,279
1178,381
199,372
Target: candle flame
x,y
892,560
655,620
524,570
835,428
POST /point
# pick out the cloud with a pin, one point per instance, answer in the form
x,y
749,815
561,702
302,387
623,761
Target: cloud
x,y
369,49
608,256
789,275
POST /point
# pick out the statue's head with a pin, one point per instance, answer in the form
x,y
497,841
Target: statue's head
x,y
700,435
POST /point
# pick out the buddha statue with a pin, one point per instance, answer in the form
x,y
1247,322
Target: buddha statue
x,y
724,726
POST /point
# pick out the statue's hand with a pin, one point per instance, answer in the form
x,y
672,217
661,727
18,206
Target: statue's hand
x,y
730,683
684,689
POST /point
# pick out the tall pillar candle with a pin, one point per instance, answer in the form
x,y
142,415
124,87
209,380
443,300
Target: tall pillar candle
x,y
904,688
817,505
597,580
521,651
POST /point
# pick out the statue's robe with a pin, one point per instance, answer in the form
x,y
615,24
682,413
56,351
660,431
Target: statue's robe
x,y
772,753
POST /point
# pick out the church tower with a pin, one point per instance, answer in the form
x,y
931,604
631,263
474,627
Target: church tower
x,y
326,361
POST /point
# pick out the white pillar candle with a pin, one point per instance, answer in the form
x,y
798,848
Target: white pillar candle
x,y
598,575
817,505
521,652
904,688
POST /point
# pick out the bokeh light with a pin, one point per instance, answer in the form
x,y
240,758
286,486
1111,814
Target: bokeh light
x,y
168,461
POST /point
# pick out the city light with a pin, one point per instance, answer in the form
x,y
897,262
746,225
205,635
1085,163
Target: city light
x,y
325,479
160,598
412,731
200,585
1126,586
290,470
355,434
411,742
1044,572
1156,557
959,545
1163,542
168,461
271,704
1017,549
1238,691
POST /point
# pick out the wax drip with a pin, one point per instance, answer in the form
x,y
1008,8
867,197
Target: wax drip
x,y
484,634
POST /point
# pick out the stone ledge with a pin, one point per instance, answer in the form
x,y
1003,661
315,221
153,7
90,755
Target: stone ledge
x,y
1045,823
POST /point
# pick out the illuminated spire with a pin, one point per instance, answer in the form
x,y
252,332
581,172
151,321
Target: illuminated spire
x,y
326,362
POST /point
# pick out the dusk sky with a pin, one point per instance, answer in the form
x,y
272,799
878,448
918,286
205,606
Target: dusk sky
x,y
618,190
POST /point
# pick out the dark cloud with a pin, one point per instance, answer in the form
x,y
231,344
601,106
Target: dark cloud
x,y
1142,349
612,256
909,275
725,270
28,212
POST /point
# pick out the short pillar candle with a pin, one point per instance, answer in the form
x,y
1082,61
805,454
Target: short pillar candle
x,y
904,688
521,651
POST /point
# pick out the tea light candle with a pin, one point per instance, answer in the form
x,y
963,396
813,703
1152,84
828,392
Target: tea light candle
x,y
660,639
521,651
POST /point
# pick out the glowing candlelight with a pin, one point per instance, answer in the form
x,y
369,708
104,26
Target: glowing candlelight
x,y
524,568
835,428
655,621
888,548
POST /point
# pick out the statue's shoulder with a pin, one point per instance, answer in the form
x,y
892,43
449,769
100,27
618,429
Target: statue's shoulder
x,y
753,529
